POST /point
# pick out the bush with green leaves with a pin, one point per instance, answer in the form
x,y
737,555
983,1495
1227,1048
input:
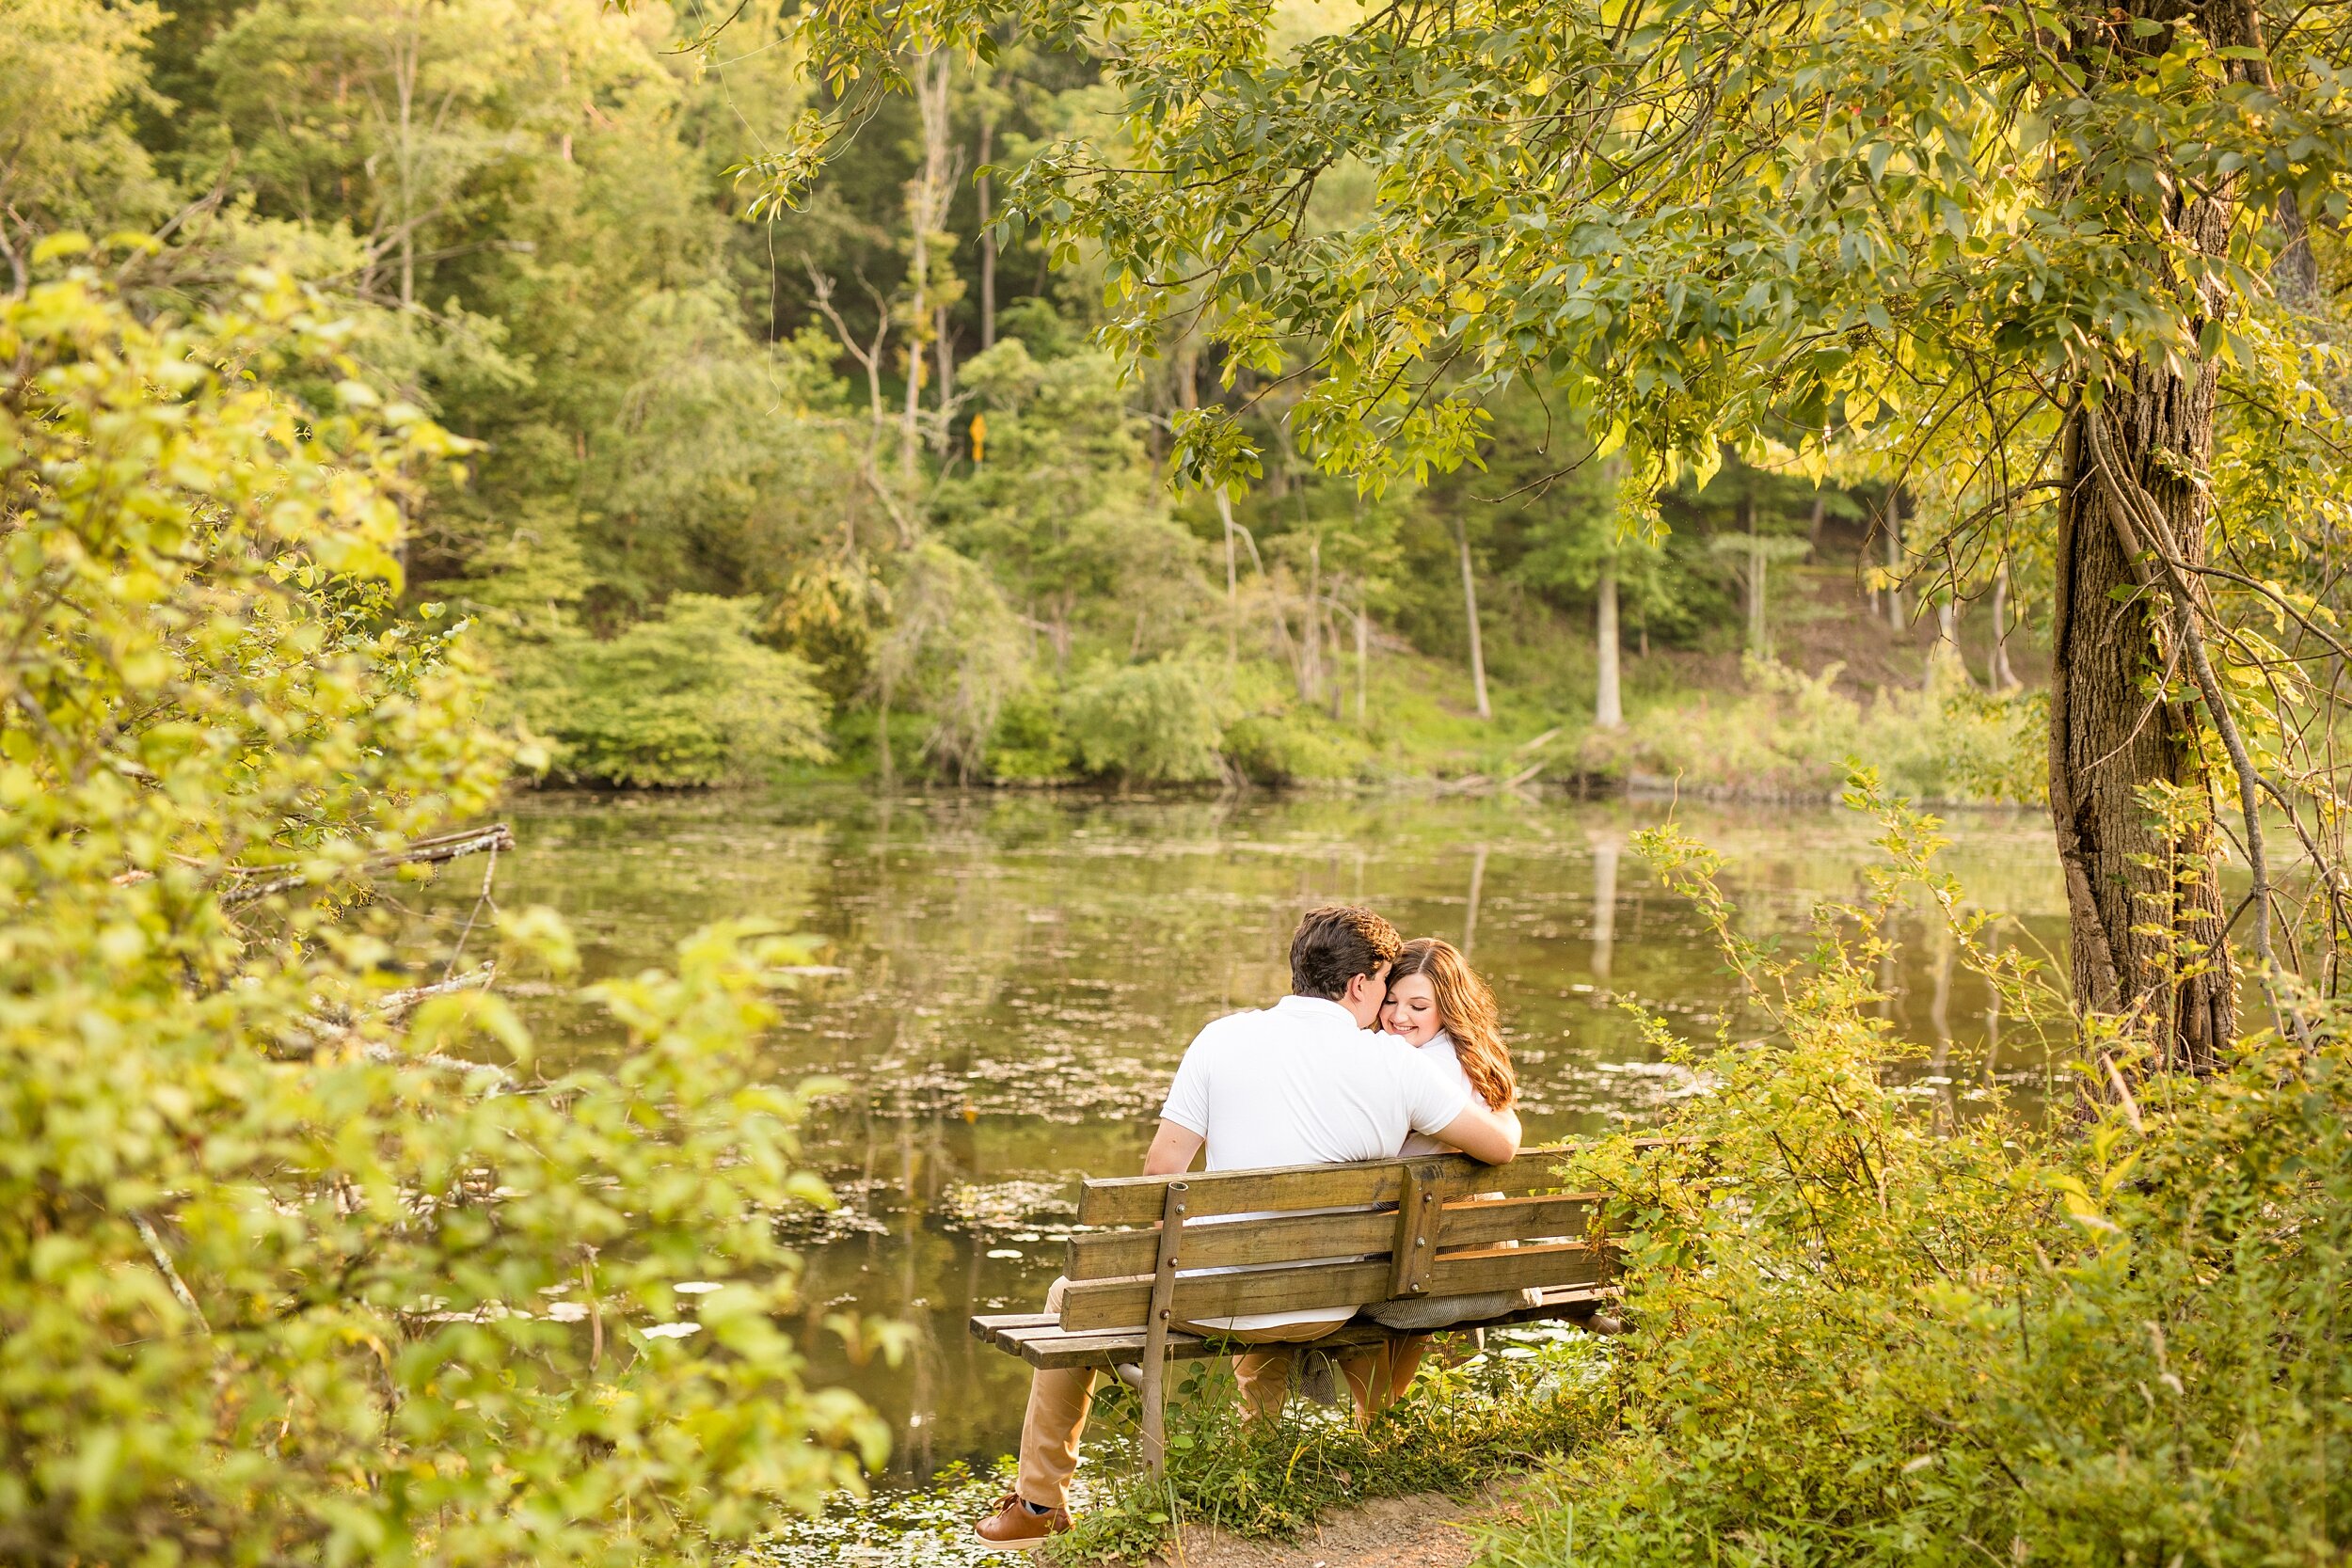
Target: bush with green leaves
x,y
1871,1326
1794,735
304,1253
1145,723
685,698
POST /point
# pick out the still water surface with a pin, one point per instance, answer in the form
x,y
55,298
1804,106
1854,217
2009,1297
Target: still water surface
x,y
1021,974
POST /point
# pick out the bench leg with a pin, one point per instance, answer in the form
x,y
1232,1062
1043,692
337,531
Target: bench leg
x,y
1155,1327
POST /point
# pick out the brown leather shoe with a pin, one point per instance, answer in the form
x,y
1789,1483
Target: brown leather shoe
x,y
1014,1528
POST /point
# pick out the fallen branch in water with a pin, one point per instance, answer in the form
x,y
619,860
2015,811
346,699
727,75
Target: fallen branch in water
x,y
337,1027
424,851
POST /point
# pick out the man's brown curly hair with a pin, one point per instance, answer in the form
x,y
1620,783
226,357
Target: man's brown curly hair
x,y
1335,943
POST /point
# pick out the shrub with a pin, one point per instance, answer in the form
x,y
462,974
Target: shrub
x,y
1287,750
289,1270
1149,723
682,699
1870,1330
1795,734
1028,745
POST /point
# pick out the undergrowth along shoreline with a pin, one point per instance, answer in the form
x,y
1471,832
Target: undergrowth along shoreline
x,y
1867,1330
1868,1333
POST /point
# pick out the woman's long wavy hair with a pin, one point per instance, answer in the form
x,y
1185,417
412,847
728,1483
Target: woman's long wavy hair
x,y
1467,1009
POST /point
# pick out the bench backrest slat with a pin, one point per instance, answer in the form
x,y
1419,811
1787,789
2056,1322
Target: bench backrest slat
x,y
1135,1199
1293,1238
1300,1238
1110,1304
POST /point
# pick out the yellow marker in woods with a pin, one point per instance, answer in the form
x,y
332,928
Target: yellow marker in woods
x,y
979,438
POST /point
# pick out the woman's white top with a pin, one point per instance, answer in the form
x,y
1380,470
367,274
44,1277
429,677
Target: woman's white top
x,y
1439,1052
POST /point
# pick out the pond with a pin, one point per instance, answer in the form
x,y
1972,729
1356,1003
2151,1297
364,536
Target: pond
x,y
1021,974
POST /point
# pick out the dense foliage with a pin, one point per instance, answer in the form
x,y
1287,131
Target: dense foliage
x,y
1875,1325
304,1255
2061,276
527,211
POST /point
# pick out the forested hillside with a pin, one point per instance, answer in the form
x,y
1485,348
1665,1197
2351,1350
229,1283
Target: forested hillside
x,y
855,487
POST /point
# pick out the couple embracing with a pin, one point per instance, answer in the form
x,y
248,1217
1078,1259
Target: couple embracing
x,y
1384,1047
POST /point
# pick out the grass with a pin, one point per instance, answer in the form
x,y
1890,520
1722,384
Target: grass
x,y
1532,1393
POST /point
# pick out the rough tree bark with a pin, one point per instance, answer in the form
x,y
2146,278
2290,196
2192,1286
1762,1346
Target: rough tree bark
x,y
2143,900
2145,919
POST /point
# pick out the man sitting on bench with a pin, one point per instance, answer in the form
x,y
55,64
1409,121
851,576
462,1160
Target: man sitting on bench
x,y
1297,1083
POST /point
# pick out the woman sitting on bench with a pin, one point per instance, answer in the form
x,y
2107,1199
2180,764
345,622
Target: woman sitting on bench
x,y
1439,1004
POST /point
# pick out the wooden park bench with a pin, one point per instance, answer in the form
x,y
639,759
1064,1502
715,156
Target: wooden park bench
x,y
1420,1228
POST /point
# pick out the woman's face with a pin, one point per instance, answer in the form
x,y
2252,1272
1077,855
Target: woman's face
x,y
1411,1011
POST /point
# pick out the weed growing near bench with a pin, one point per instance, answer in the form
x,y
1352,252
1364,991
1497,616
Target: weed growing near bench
x,y
1534,1392
1864,1335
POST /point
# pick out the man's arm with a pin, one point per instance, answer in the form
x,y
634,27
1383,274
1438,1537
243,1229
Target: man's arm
x,y
1175,1146
1482,1134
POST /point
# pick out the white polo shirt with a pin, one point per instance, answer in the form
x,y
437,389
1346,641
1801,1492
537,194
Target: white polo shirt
x,y
1300,1084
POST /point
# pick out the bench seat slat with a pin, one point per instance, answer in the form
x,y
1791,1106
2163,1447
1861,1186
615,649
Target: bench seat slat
x,y
1053,1349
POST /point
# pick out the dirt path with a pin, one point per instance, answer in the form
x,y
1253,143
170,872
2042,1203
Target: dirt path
x,y
1392,1533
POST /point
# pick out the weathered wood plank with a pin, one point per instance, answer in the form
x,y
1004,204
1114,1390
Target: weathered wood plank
x,y
1052,1348
1121,1303
1417,1212
1567,1215
999,1329
1135,1199
1557,1263
1294,1239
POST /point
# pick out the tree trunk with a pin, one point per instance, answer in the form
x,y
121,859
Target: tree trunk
x,y
1310,661
1759,641
988,239
2145,922
1363,658
1469,605
1607,705
1895,620
944,352
1946,641
927,207
2143,900
1232,583
2003,678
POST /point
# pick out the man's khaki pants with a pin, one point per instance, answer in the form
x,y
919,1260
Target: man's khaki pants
x,y
1058,1398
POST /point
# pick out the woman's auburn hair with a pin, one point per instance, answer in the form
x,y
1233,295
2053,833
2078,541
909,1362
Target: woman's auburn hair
x,y
1467,1009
